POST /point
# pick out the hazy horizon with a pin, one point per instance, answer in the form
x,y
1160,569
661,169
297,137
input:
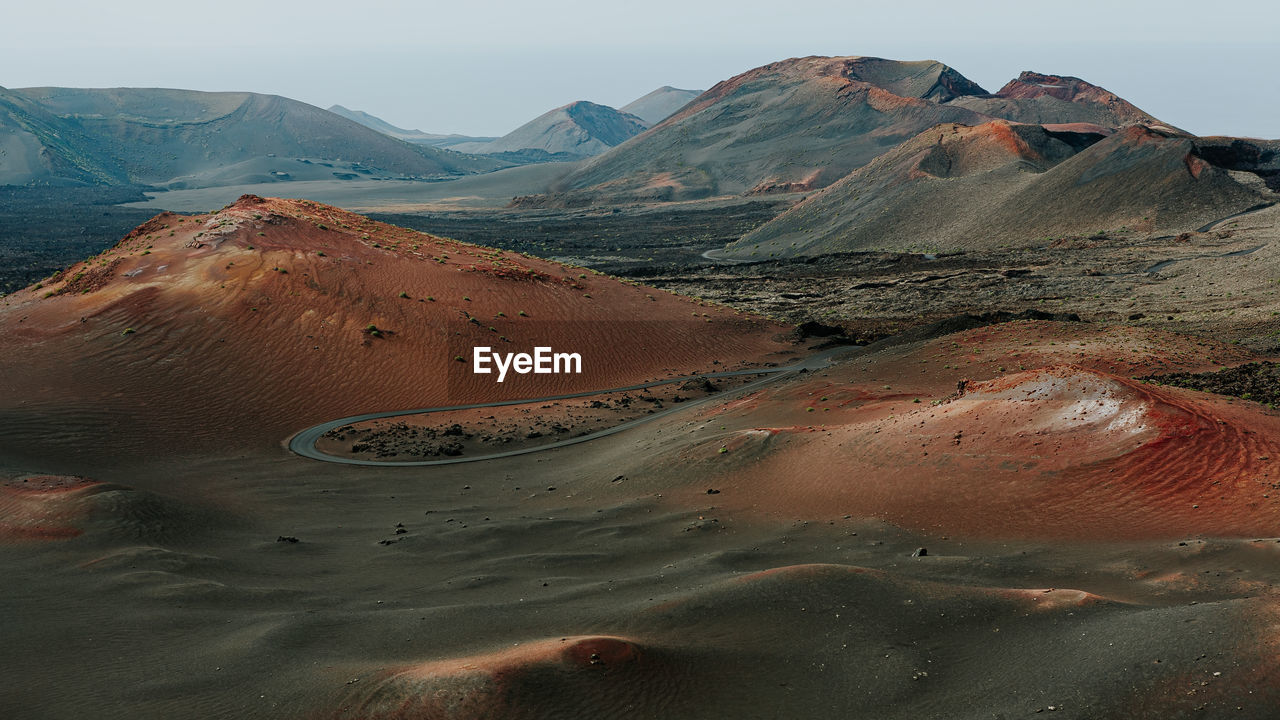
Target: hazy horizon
x,y
488,68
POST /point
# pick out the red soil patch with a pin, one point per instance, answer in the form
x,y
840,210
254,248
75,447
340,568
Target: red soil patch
x,y
599,675
963,149
1195,165
885,101
1083,128
43,507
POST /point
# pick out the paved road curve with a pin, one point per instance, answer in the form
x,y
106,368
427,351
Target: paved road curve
x,y
304,443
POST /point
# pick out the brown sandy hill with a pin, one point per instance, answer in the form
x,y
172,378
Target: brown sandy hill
x,y
1000,183
271,315
792,125
1037,98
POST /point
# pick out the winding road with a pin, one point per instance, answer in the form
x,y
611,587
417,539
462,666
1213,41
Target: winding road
x,y
304,442
1248,211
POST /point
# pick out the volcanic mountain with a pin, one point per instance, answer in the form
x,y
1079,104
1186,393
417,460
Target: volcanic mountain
x,y
414,136
1037,98
998,183
578,129
792,125
184,138
660,104
278,314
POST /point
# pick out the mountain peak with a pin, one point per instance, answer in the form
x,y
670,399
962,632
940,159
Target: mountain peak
x,y
660,104
923,79
1030,85
580,128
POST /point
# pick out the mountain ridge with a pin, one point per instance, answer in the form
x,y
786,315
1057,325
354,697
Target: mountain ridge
x,y
188,138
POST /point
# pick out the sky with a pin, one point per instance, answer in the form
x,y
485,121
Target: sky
x,y
484,68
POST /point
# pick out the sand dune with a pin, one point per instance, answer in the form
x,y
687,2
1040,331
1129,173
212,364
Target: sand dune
x,y
56,507
589,676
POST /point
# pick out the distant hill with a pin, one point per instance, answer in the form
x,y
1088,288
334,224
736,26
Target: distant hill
x,y
1037,98
185,138
660,104
798,124
37,147
956,187
579,129
414,136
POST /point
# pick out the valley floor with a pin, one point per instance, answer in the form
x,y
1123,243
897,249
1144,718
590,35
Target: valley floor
x,y
737,560
963,519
